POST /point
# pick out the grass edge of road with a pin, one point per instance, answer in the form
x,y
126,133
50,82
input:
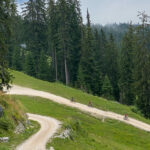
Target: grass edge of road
x,y
16,139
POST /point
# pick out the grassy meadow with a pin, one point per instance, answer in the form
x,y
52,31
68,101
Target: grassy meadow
x,y
68,92
88,133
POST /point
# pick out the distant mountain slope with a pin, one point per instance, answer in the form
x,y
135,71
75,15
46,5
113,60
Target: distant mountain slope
x,y
118,30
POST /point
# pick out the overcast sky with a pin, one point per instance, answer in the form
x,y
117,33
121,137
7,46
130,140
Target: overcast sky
x,y
113,11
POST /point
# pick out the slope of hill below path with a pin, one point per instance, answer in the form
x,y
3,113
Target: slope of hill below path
x,y
86,132
13,126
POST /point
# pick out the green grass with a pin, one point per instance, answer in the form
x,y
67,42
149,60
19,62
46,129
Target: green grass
x,y
88,133
68,92
16,139
13,113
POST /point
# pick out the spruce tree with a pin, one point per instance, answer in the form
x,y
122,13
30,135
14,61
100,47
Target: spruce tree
x,y
34,14
111,61
29,64
52,35
64,39
127,68
14,40
44,69
142,70
75,33
69,39
102,52
97,57
7,8
87,64
16,59
107,89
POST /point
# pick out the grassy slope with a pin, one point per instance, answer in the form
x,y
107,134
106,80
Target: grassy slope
x,y
13,113
16,139
88,133
67,92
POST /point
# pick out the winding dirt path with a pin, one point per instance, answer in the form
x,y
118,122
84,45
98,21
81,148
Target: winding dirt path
x,y
38,141
17,90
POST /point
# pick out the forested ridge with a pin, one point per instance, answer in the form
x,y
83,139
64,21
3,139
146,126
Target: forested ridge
x,y
49,41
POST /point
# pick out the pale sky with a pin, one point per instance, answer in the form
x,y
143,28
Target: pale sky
x,y
113,11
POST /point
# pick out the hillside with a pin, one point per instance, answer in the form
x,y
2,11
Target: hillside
x,y
73,76
86,132
79,96
13,115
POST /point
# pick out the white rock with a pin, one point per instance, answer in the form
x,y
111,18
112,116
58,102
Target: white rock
x,y
51,148
64,134
20,128
4,139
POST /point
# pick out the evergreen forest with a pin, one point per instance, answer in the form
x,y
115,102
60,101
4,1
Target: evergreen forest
x,y
49,41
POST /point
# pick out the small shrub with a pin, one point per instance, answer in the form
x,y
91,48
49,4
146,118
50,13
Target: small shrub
x,y
135,110
4,125
4,103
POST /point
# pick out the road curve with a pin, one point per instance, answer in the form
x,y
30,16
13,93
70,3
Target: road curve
x,y
38,141
17,90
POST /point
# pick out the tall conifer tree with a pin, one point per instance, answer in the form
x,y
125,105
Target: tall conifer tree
x,y
102,52
87,63
64,40
127,68
7,9
142,74
52,36
111,59
34,14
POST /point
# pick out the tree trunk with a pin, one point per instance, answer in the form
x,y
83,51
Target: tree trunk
x,y
53,58
65,63
66,73
56,74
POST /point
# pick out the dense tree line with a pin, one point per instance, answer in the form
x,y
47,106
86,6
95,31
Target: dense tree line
x,y
50,42
7,12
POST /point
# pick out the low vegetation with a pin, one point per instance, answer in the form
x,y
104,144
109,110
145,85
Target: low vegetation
x,y
87,133
13,114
